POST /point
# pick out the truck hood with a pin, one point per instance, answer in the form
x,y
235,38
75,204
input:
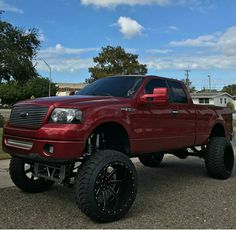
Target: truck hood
x,y
76,100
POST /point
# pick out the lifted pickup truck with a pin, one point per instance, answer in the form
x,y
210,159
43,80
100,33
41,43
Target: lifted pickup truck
x,y
86,140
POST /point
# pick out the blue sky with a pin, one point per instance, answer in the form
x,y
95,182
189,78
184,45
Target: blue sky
x,y
168,35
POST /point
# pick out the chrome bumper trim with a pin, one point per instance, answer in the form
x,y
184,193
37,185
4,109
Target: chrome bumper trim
x,y
19,144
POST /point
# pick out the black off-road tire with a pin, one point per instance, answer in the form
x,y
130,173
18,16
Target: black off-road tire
x,y
152,160
19,175
106,185
219,158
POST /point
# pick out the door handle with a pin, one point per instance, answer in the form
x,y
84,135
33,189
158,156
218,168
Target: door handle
x,y
175,112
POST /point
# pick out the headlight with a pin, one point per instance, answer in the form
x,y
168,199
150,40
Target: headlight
x,y
66,116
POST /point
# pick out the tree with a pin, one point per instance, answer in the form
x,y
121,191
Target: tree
x,y
115,61
1,120
13,92
231,106
38,87
231,89
18,47
188,83
205,90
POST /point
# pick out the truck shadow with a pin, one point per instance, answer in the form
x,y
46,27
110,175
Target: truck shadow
x,y
172,172
173,175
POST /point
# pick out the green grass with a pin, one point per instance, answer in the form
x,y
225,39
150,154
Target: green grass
x,y
3,155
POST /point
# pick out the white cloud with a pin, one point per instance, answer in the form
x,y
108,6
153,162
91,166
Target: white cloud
x,y
41,35
224,42
219,52
68,65
206,40
9,8
227,42
129,28
192,4
159,51
59,50
114,3
63,59
212,51
173,28
181,62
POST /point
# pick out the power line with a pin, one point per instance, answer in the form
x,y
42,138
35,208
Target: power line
x,y
187,71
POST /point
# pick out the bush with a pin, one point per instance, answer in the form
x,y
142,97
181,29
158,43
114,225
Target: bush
x,y
231,106
10,93
1,120
38,87
13,92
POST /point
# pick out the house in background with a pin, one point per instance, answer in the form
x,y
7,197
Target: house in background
x,y
234,98
212,98
64,89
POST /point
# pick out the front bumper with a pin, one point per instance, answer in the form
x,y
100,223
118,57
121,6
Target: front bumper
x,y
43,150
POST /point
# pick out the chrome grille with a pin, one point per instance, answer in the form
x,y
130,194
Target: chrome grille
x,y
28,116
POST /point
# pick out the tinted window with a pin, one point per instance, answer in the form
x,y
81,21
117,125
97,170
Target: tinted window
x,y
124,86
154,83
178,94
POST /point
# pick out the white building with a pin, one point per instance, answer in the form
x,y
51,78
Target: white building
x,y
234,98
64,89
210,98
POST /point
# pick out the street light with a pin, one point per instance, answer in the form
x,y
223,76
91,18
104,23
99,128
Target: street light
x,y
50,76
209,76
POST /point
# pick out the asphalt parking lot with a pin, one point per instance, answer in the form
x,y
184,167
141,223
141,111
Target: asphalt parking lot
x,y
179,194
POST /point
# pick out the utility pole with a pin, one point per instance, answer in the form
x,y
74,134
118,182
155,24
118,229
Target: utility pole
x,y
209,76
187,71
50,76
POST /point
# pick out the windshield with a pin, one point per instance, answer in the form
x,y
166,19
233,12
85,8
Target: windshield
x,y
125,86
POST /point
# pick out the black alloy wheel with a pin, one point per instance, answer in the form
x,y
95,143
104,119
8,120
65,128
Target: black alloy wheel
x,y
22,175
106,186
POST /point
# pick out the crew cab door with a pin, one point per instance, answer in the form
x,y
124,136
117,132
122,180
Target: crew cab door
x,y
184,115
164,127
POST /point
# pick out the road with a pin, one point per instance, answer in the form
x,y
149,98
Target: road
x,y
179,194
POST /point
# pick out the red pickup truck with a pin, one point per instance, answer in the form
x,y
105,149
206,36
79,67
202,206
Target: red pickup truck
x,y
86,141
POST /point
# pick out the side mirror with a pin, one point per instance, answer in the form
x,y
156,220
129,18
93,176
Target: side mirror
x,y
159,97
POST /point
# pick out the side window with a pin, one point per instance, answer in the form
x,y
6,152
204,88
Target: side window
x,y
177,92
154,83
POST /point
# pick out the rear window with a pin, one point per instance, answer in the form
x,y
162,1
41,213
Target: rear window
x,y
154,83
177,93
